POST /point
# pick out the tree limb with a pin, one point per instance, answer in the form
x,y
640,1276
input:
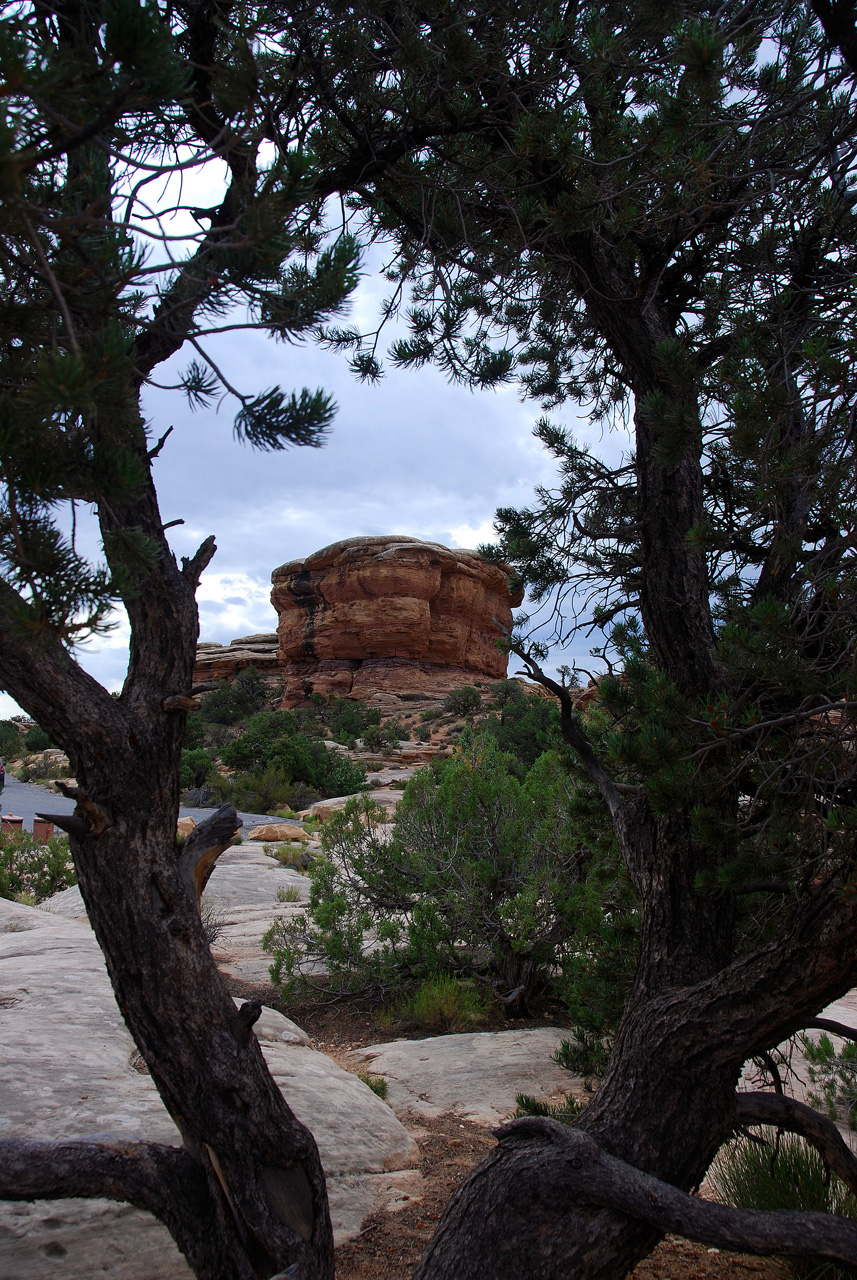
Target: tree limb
x,y
787,1113
145,1174
572,731
163,1180
835,1028
591,1176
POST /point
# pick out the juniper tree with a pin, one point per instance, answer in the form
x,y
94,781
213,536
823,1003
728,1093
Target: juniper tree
x,y
654,220
108,271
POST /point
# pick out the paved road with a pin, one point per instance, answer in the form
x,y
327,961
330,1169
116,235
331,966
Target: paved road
x,y
26,800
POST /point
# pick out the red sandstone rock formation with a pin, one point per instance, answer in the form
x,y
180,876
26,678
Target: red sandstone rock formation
x,y
390,615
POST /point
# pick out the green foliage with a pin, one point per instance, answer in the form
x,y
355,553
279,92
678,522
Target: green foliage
x,y
444,1003
10,739
377,1084
196,766
834,1072
34,871
587,1055
565,1112
36,739
236,700
483,878
782,1173
527,725
466,701
278,740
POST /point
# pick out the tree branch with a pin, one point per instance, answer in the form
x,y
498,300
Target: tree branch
x,y
591,1176
835,1028
145,1174
787,1113
572,731
165,1181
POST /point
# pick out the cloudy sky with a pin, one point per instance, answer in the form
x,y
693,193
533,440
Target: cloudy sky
x,y
411,455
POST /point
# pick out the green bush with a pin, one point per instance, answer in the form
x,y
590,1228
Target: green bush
x,y
483,878
444,1003
262,790
10,739
466,701
782,1173
34,871
196,766
566,1112
526,726
36,739
275,740
236,700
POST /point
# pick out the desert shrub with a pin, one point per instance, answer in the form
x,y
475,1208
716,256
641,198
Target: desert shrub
x,y
10,739
34,871
466,701
36,739
236,700
835,1075
345,778
213,918
444,1003
346,719
275,740
483,878
196,766
288,893
42,768
261,790
526,725
782,1173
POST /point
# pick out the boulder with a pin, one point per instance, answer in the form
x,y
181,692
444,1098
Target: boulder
x,y
278,831
184,826
69,1068
392,615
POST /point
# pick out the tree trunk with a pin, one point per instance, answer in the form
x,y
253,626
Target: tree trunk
x,y
254,1200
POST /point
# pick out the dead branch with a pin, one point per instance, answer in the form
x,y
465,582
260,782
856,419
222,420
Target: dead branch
x,y
203,847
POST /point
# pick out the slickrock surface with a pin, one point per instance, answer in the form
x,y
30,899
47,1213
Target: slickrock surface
x,y
69,1068
474,1074
390,616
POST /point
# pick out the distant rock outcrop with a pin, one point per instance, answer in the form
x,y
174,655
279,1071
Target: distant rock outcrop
x,y
215,661
390,615
377,618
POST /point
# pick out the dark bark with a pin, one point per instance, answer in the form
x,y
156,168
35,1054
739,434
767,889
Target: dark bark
x,y
259,1201
546,1166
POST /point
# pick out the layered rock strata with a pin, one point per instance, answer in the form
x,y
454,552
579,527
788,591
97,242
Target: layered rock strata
x,y
224,661
377,616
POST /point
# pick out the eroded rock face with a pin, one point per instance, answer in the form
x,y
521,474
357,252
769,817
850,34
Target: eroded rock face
x,y
390,615
218,661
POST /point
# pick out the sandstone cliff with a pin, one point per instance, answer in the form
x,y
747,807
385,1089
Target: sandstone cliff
x,y
390,615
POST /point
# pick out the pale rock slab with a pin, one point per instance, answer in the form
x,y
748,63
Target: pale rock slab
x,y
69,1068
474,1074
